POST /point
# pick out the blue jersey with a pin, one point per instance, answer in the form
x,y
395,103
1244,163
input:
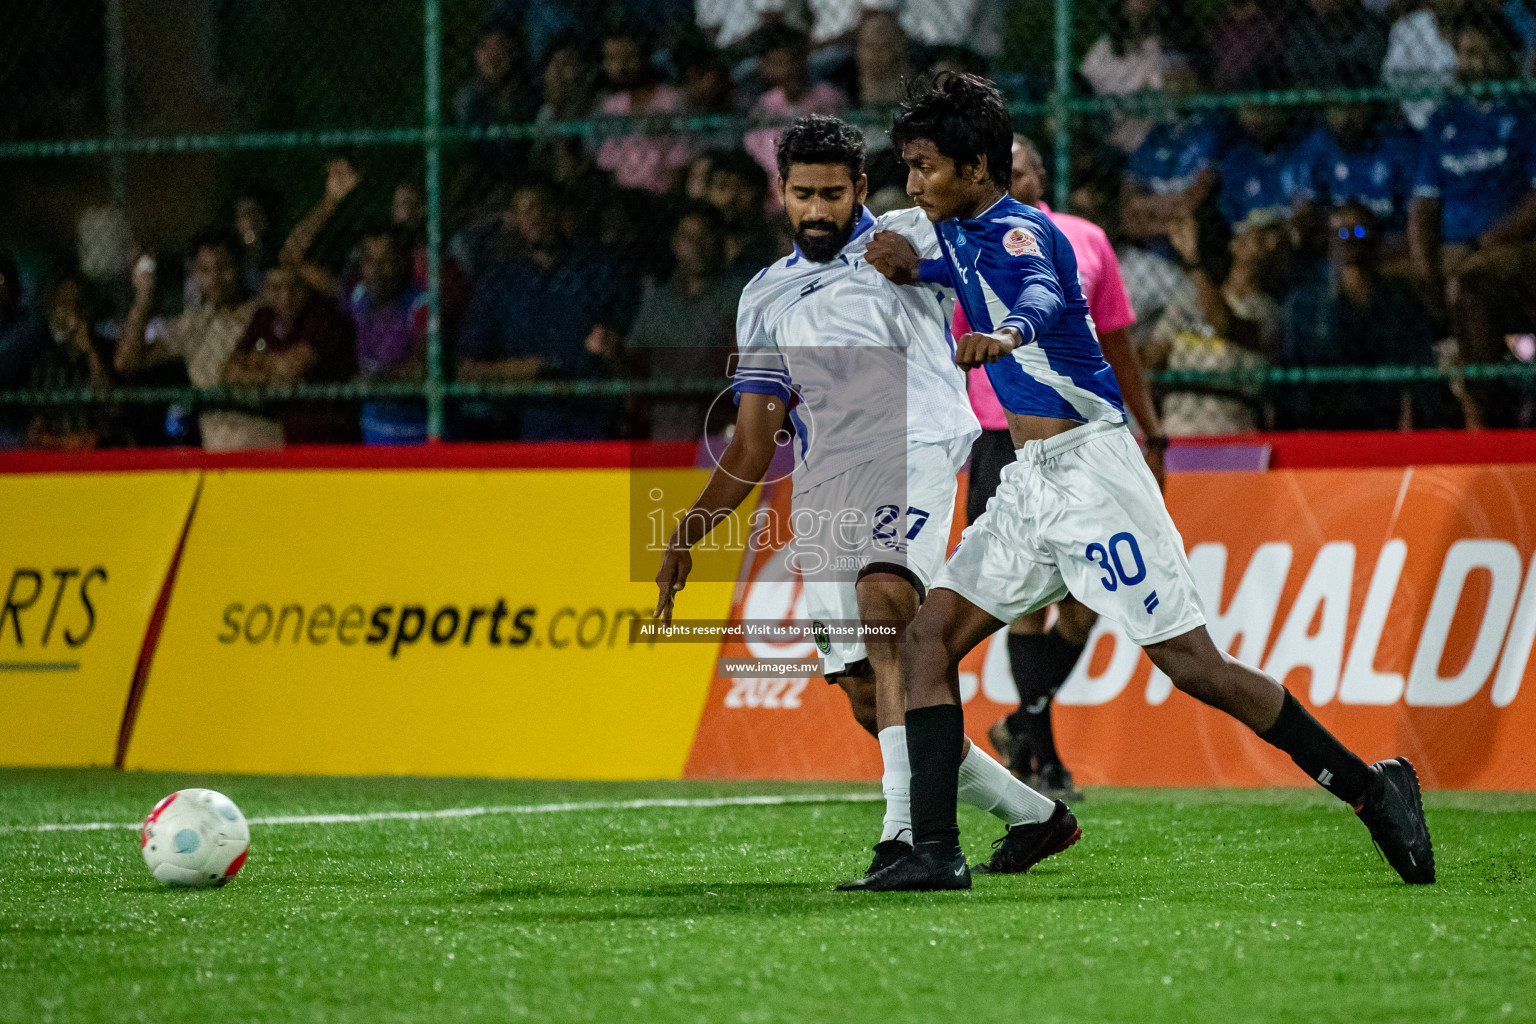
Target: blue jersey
x,y
1379,174
1011,267
1173,155
1479,160
1252,179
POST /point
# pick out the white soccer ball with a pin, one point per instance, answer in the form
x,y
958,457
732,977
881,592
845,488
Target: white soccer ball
x,y
196,839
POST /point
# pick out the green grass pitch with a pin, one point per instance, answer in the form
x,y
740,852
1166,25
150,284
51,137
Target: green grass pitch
x,y
1176,906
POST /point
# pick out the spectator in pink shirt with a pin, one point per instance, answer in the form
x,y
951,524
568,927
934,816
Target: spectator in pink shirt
x,y
650,162
784,61
1042,660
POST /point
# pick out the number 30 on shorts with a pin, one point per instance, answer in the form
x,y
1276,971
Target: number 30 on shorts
x,y
1111,558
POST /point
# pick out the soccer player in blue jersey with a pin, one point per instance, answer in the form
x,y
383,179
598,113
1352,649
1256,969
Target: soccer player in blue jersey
x,y
861,369
1078,511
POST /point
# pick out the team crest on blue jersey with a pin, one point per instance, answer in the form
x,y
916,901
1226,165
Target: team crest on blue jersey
x,y
1019,242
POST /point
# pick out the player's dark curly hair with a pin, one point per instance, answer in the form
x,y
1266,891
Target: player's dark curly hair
x,y
819,139
964,116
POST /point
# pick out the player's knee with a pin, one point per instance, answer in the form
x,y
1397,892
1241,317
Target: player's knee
x,y
924,644
1193,663
886,596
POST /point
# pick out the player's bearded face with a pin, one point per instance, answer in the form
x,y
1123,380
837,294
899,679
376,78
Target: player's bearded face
x,y
822,240
823,202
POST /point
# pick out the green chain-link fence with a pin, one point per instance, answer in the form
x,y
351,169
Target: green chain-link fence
x,y
130,126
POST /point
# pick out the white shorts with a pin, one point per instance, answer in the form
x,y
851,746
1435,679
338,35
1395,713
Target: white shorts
x,y
1080,513
890,514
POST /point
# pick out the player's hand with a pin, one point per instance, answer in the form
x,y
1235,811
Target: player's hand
x,y
977,349
602,341
892,255
672,577
340,179
143,278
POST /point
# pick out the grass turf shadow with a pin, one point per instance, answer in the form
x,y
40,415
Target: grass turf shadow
x,y
714,899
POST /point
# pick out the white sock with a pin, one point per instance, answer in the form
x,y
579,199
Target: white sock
x,y
988,785
896,784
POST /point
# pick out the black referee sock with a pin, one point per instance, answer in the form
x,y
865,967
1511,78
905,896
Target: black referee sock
x,y
935,743
1315,751
1041,663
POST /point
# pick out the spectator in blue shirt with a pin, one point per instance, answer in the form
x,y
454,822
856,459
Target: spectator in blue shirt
x,y
1360,155
549,309
1261,169
1172,174
1473,216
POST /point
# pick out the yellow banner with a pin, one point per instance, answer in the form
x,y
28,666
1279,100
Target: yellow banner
x,y
82,560
422,623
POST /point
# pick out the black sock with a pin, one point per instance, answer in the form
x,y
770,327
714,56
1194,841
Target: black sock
x,y
1041,663
935,742
1316,752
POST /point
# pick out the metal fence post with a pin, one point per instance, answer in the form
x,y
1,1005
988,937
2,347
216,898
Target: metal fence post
x,y
433,145
1061,174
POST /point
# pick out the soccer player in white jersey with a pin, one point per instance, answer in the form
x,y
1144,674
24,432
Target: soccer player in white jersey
x,y
864,372
1077,511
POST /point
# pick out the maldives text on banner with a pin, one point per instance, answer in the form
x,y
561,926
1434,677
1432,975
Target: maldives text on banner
x,y
1399,605
83,557
420,622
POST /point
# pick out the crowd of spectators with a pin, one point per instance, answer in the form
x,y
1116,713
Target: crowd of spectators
x,y
1360,234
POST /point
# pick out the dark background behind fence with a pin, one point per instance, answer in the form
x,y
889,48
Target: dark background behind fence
x,y
1212,141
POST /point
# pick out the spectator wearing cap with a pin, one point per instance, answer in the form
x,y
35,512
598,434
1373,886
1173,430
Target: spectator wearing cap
x,y
1473,216
1338,41
783,63
702,295
1347,313
390,311
546,309
202,338
634,89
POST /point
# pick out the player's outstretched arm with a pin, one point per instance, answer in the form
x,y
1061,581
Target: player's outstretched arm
x,y
743,464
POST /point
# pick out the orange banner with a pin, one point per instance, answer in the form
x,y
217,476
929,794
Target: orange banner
x,y
1399,605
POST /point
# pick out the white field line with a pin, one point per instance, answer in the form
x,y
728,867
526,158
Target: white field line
x,y
478,812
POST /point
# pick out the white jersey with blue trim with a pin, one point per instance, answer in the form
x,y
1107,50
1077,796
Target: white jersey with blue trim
x,y
1012,267
848,349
